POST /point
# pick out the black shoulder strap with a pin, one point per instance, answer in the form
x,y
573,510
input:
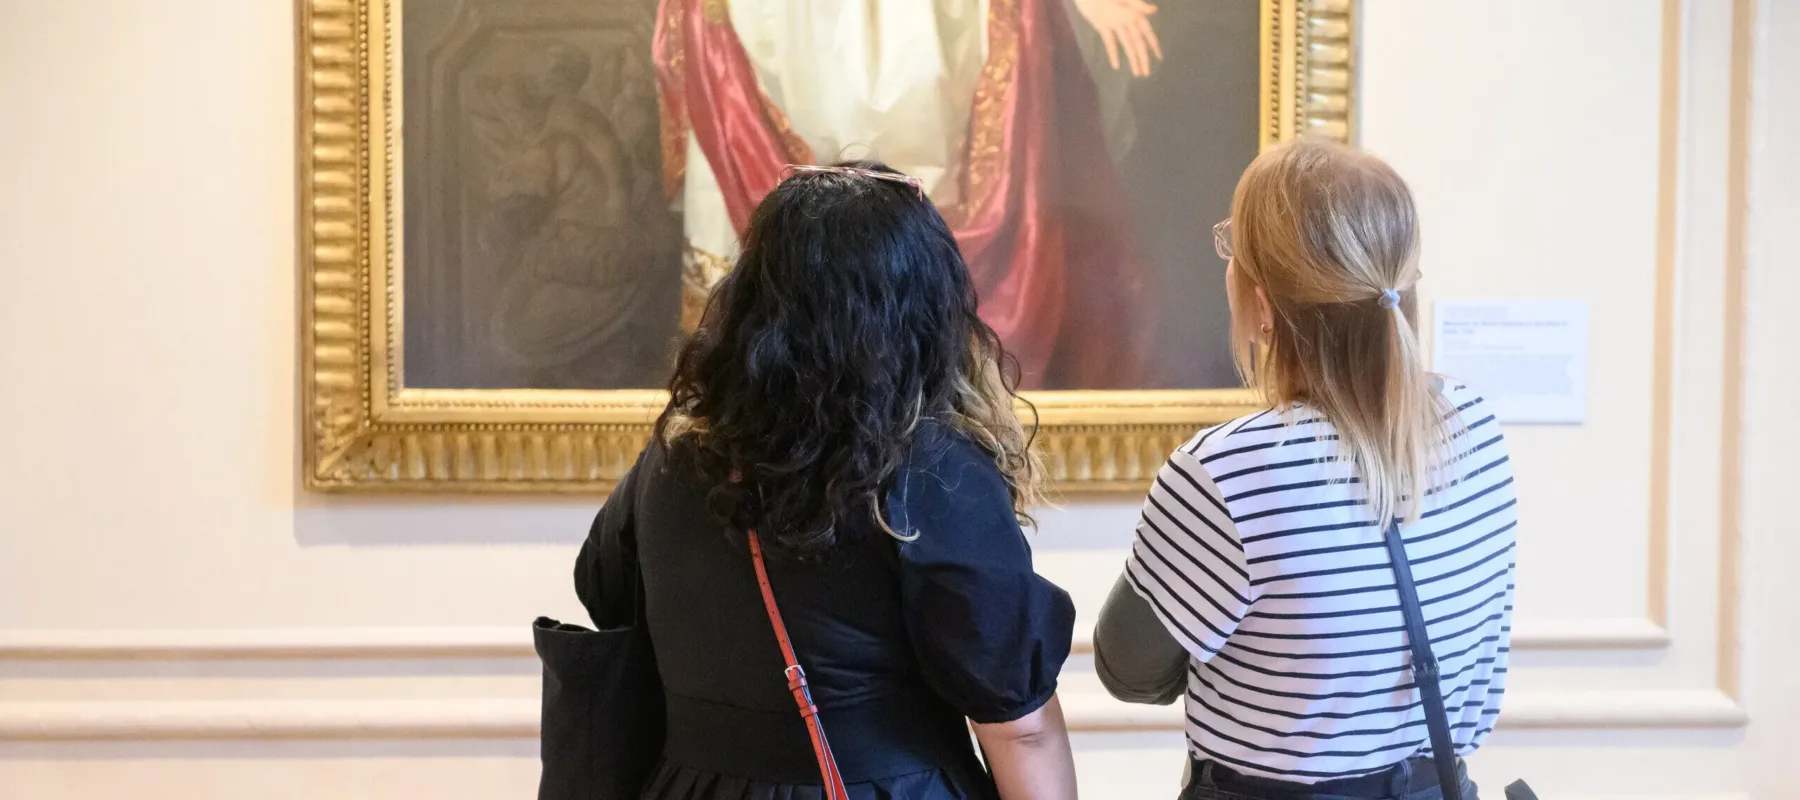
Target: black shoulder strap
x,y
1424,667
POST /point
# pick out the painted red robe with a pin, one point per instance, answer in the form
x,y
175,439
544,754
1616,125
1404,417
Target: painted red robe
x,y
1042,220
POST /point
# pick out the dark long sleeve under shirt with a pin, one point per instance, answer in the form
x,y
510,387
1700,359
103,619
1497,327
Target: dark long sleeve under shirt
x,y
1136,657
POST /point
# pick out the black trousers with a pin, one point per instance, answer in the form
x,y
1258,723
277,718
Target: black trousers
x,y
1412,779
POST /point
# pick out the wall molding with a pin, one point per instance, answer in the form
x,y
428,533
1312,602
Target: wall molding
x,y
1676,708
1648,796
1600,633
517,717
512,641
1593,633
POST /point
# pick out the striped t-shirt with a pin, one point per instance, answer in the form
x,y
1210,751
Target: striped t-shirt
x,y
1259,553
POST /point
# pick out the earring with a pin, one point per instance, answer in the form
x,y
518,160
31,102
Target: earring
x,y
1267,329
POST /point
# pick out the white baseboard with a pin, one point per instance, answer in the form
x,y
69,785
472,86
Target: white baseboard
x,y
515,641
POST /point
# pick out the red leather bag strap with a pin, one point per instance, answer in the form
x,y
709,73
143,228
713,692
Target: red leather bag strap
x,y
796,680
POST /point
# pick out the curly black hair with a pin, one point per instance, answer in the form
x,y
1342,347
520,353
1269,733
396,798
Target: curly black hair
x,y
848,321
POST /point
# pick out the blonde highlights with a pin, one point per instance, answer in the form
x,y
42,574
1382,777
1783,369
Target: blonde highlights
x,y
1331,237
982,409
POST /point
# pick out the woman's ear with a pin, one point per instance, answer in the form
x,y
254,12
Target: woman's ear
x,y
1265,312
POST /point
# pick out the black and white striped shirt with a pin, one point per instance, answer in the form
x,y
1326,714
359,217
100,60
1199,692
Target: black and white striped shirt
x,y
1258,552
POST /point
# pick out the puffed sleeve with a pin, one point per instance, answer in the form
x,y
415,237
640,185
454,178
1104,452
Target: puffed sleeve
x,y
990,635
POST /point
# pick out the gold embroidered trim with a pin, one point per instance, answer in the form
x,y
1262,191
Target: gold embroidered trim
x,y
987,119
673,110
700,272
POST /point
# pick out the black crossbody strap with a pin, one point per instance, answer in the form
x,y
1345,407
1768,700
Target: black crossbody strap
x,y
1424,667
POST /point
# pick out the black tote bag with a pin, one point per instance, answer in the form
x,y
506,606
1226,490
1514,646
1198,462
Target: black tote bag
x,y
603,723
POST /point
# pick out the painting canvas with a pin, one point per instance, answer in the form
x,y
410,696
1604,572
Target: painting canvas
x,y
541,248
534,198
578,172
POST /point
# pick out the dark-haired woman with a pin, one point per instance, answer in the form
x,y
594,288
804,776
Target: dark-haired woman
x,y
842,399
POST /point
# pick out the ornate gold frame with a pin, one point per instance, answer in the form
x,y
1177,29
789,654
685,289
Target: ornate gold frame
x,y
365,431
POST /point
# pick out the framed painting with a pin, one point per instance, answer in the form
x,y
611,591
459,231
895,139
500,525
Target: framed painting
x,y
513,209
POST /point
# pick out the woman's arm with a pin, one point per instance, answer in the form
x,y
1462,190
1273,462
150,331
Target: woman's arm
x,y
1138,660
606,569
1030,756
989,633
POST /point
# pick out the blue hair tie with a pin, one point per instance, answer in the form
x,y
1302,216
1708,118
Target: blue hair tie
x,y
1390,298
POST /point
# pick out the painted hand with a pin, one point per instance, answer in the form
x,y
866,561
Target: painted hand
x,y
1124,26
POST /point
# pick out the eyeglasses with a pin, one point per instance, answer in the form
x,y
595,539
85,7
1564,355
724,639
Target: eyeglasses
x,y
1222,239
917,186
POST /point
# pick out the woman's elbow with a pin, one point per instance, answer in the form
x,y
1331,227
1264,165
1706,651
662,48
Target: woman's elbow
x,y
1159,690
1039,728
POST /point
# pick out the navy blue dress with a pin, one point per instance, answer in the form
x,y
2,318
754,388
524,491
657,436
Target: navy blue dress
x,y
901,641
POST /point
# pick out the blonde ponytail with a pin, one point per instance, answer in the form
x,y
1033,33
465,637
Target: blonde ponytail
x,y
1330,236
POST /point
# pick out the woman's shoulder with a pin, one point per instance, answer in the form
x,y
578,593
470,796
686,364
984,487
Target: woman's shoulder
x,y
1256,437
949,480
654,461
941,450
1463,399
1281,433
1474,426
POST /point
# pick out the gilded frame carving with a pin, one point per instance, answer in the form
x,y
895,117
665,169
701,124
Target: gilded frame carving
x,y
364,431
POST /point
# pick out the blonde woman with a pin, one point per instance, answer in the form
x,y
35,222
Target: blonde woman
x,y
1259,589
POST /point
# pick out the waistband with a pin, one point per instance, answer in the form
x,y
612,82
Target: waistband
x,y
1415,774
877,738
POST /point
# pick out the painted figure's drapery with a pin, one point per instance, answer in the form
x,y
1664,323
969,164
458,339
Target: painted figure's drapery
x,y
988,102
